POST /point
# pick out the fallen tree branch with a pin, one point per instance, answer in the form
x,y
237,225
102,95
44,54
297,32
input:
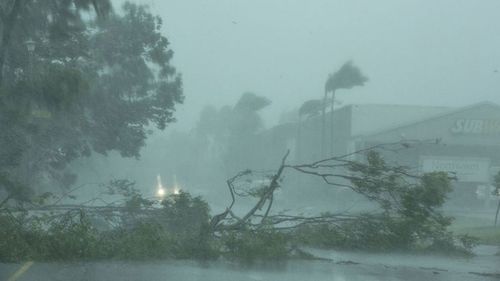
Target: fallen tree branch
x,y
337,171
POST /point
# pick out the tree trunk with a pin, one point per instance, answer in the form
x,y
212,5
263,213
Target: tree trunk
x,y
332,145
496,215
323,124
8,25
298,141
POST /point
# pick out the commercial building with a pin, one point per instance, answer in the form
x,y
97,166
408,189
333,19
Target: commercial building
x,y
464,141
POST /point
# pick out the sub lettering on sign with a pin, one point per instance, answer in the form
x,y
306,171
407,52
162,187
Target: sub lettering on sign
x,y
476,126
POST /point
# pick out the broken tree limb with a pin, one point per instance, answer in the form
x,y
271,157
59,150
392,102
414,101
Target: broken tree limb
x,y
378,182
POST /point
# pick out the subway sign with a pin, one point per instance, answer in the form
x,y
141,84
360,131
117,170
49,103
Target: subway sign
x,y
476,126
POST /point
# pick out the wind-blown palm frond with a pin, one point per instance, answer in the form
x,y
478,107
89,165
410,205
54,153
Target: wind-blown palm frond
x,y
311,107
252,102
346,77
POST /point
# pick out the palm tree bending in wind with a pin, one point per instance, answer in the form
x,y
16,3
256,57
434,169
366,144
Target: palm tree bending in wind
x,y
347,77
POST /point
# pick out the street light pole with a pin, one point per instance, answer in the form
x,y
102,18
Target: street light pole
x,y
30,46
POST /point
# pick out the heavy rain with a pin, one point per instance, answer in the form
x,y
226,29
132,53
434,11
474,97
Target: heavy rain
x,y
249,140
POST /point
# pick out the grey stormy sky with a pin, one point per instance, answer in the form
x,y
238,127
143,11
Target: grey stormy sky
x,y
442,52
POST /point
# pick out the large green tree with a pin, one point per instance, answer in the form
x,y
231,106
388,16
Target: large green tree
x,y
58,18
231,132
91,84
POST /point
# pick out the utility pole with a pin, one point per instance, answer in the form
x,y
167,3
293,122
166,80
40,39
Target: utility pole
x,y
30,46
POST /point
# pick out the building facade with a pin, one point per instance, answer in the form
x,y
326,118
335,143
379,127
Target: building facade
x,y
464,141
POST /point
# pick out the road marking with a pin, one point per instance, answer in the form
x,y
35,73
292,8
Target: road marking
x,y
21,271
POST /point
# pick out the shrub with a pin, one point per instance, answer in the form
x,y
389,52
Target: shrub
x,y
143,241
249,245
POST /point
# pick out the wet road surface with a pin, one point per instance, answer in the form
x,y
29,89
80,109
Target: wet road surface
x,y
342,266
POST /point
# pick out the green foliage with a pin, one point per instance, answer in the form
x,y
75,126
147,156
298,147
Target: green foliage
x,y
141,86
187,218
182,207
251,102
346,77
71,237
311,108
13,245
430,193
364,233
143,241
410,218
14,190
248,245
497,193
133,197
245,120
319,235
60,88
209,122
227,134
497,183
380,233
90,85
179,229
